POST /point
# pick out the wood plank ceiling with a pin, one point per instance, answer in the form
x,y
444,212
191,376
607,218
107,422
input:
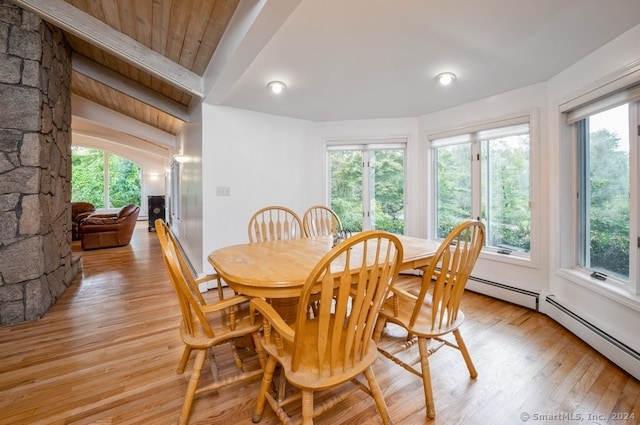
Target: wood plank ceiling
x,y
186,32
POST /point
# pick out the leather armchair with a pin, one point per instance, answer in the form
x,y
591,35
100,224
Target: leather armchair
x,y
79,211
109,230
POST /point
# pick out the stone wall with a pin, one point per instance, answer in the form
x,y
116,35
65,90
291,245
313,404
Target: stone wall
x,y
36,262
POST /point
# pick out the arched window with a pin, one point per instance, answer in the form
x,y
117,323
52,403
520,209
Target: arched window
x,y
104,179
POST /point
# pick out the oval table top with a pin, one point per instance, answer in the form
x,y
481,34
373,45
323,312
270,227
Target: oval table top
x,y
278,269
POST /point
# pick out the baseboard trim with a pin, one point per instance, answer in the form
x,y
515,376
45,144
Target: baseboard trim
x,y
523,297
612,348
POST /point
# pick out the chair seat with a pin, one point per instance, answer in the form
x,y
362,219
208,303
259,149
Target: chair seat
x,y
424,326
410,283
219,323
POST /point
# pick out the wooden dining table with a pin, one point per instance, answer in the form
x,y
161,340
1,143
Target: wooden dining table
x,y
278,269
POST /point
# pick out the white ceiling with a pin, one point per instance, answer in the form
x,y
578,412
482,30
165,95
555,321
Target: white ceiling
x,y
359,59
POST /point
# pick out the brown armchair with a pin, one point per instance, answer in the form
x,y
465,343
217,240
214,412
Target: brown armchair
x,y
109,230
79,211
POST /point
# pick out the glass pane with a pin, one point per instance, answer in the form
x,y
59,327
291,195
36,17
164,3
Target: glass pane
x,y
124,182
87,175
346,187
453,187
505,192
387,190
608,198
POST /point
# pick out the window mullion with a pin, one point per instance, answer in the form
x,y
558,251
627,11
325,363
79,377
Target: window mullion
x,y
476,179
584,255
366,189
107,203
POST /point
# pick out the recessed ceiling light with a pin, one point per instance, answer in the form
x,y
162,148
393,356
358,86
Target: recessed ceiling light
x,y
276,87
446,78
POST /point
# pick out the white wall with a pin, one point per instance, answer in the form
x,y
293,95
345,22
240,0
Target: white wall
x,y
188,225
619,314
264,160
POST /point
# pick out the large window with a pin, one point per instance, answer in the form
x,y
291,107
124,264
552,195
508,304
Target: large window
x,y
366,185
484,174
105,180
604,193
606,136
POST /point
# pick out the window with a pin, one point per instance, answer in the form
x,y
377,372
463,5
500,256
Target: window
x,y
174,199
606,137
104,179
603,193
366,185
484,174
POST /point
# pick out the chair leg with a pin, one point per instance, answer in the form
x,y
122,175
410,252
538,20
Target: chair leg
x,y
282,387
184,360
193,386
377,396
465,354
426,377
259,350
264,387
377,332
236,357
307,407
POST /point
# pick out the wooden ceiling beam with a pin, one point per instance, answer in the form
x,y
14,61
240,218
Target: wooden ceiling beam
x,y
63,15
110,78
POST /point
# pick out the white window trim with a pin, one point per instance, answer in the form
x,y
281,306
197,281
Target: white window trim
x,y
533,118
372,144
625,89
581,278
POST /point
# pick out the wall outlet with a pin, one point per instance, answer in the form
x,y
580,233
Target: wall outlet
x,y
223,191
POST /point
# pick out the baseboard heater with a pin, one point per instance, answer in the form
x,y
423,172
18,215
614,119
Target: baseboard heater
x,y
612,348
523,297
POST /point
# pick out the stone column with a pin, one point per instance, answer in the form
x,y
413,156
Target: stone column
x,y
36,263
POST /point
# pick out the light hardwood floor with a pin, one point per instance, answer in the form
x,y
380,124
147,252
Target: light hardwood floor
x,y
107,351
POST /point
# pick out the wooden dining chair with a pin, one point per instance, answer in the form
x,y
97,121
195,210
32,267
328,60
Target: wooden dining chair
x,y
433,311
206,325
319,220
331,345
274,223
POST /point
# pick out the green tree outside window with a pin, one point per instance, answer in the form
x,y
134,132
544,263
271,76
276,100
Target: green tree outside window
x,y
92,167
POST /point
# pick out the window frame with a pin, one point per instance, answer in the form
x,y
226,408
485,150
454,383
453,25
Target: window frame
x,y
571,112
106,177
367,147
532,258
